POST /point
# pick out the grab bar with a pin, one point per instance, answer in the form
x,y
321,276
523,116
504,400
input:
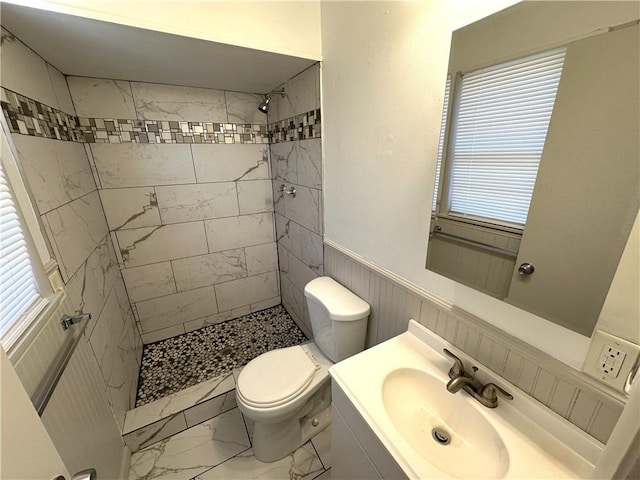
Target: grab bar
x,y
476,243
42,395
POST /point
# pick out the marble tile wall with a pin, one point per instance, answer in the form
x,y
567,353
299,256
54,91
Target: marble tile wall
x,y
191,214
192,451
567,392
59,176
296,161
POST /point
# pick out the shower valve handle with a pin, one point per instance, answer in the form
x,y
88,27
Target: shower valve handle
x,y
287,191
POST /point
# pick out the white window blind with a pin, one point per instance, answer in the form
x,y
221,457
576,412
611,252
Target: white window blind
x,y
18,287
443,126
501,125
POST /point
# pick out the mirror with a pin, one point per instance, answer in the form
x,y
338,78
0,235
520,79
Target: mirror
x,y
560,263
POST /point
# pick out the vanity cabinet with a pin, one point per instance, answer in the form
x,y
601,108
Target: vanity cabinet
x,y
356,451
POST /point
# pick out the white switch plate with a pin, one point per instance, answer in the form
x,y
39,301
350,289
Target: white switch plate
x,y
610,359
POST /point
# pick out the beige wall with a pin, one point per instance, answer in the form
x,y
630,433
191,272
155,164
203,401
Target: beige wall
x,y
574,181
383,82
621,310
290,28
498,38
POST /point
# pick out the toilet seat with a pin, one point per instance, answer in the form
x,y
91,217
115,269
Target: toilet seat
x,y
276,377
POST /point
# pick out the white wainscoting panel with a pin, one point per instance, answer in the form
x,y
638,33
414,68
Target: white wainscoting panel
x,y
79,419
31,366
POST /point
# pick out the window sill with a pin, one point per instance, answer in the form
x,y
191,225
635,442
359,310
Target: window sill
x,y
482,224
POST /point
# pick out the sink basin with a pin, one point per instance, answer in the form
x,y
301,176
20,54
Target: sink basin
x,y
446,429
398,388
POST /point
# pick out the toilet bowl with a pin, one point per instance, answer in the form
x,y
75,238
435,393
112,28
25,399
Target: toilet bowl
x,y
287,391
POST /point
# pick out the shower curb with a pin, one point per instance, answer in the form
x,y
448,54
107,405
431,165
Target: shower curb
x,y
179,411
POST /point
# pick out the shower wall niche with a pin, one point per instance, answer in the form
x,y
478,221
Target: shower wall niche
x,y
183,177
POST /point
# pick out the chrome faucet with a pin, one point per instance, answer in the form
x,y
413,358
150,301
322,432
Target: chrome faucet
x,y
487,394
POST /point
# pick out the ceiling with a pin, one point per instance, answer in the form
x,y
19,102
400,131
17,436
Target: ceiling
x,y
91,48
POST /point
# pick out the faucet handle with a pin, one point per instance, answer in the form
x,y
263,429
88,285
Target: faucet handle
x,y
490,390
457,369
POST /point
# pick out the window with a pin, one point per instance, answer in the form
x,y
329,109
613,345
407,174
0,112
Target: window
x,y
443,127
501,117
20,300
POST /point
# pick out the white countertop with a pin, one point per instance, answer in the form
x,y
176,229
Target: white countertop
x,y
539,443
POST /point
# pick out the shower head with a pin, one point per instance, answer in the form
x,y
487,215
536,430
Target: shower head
x,y
264,105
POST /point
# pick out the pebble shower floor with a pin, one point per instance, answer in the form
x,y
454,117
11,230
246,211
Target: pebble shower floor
x,y
176,363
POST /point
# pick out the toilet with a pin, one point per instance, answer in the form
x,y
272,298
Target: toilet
x,y
287,392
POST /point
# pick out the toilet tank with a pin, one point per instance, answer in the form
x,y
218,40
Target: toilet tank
x,y
338,318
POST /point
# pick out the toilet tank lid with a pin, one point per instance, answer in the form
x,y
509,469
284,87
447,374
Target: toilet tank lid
x,y
341,304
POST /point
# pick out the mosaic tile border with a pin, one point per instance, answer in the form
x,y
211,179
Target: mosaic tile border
x,y
27,116
97,130
30,117
300,127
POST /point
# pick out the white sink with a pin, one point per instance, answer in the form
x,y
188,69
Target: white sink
x,y
399,388
442,427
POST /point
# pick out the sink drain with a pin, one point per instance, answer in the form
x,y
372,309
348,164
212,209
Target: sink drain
x,y
441,436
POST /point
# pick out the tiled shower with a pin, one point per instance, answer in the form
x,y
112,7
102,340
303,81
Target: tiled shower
x,y
185,183
192,223
161,204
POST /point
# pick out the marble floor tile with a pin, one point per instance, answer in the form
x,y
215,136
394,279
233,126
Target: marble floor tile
x,y
322,443
155,432
193,451
326,475
179,362
179,401
301,464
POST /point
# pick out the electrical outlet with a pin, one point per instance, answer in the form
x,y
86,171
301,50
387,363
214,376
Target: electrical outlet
x,y
610,359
